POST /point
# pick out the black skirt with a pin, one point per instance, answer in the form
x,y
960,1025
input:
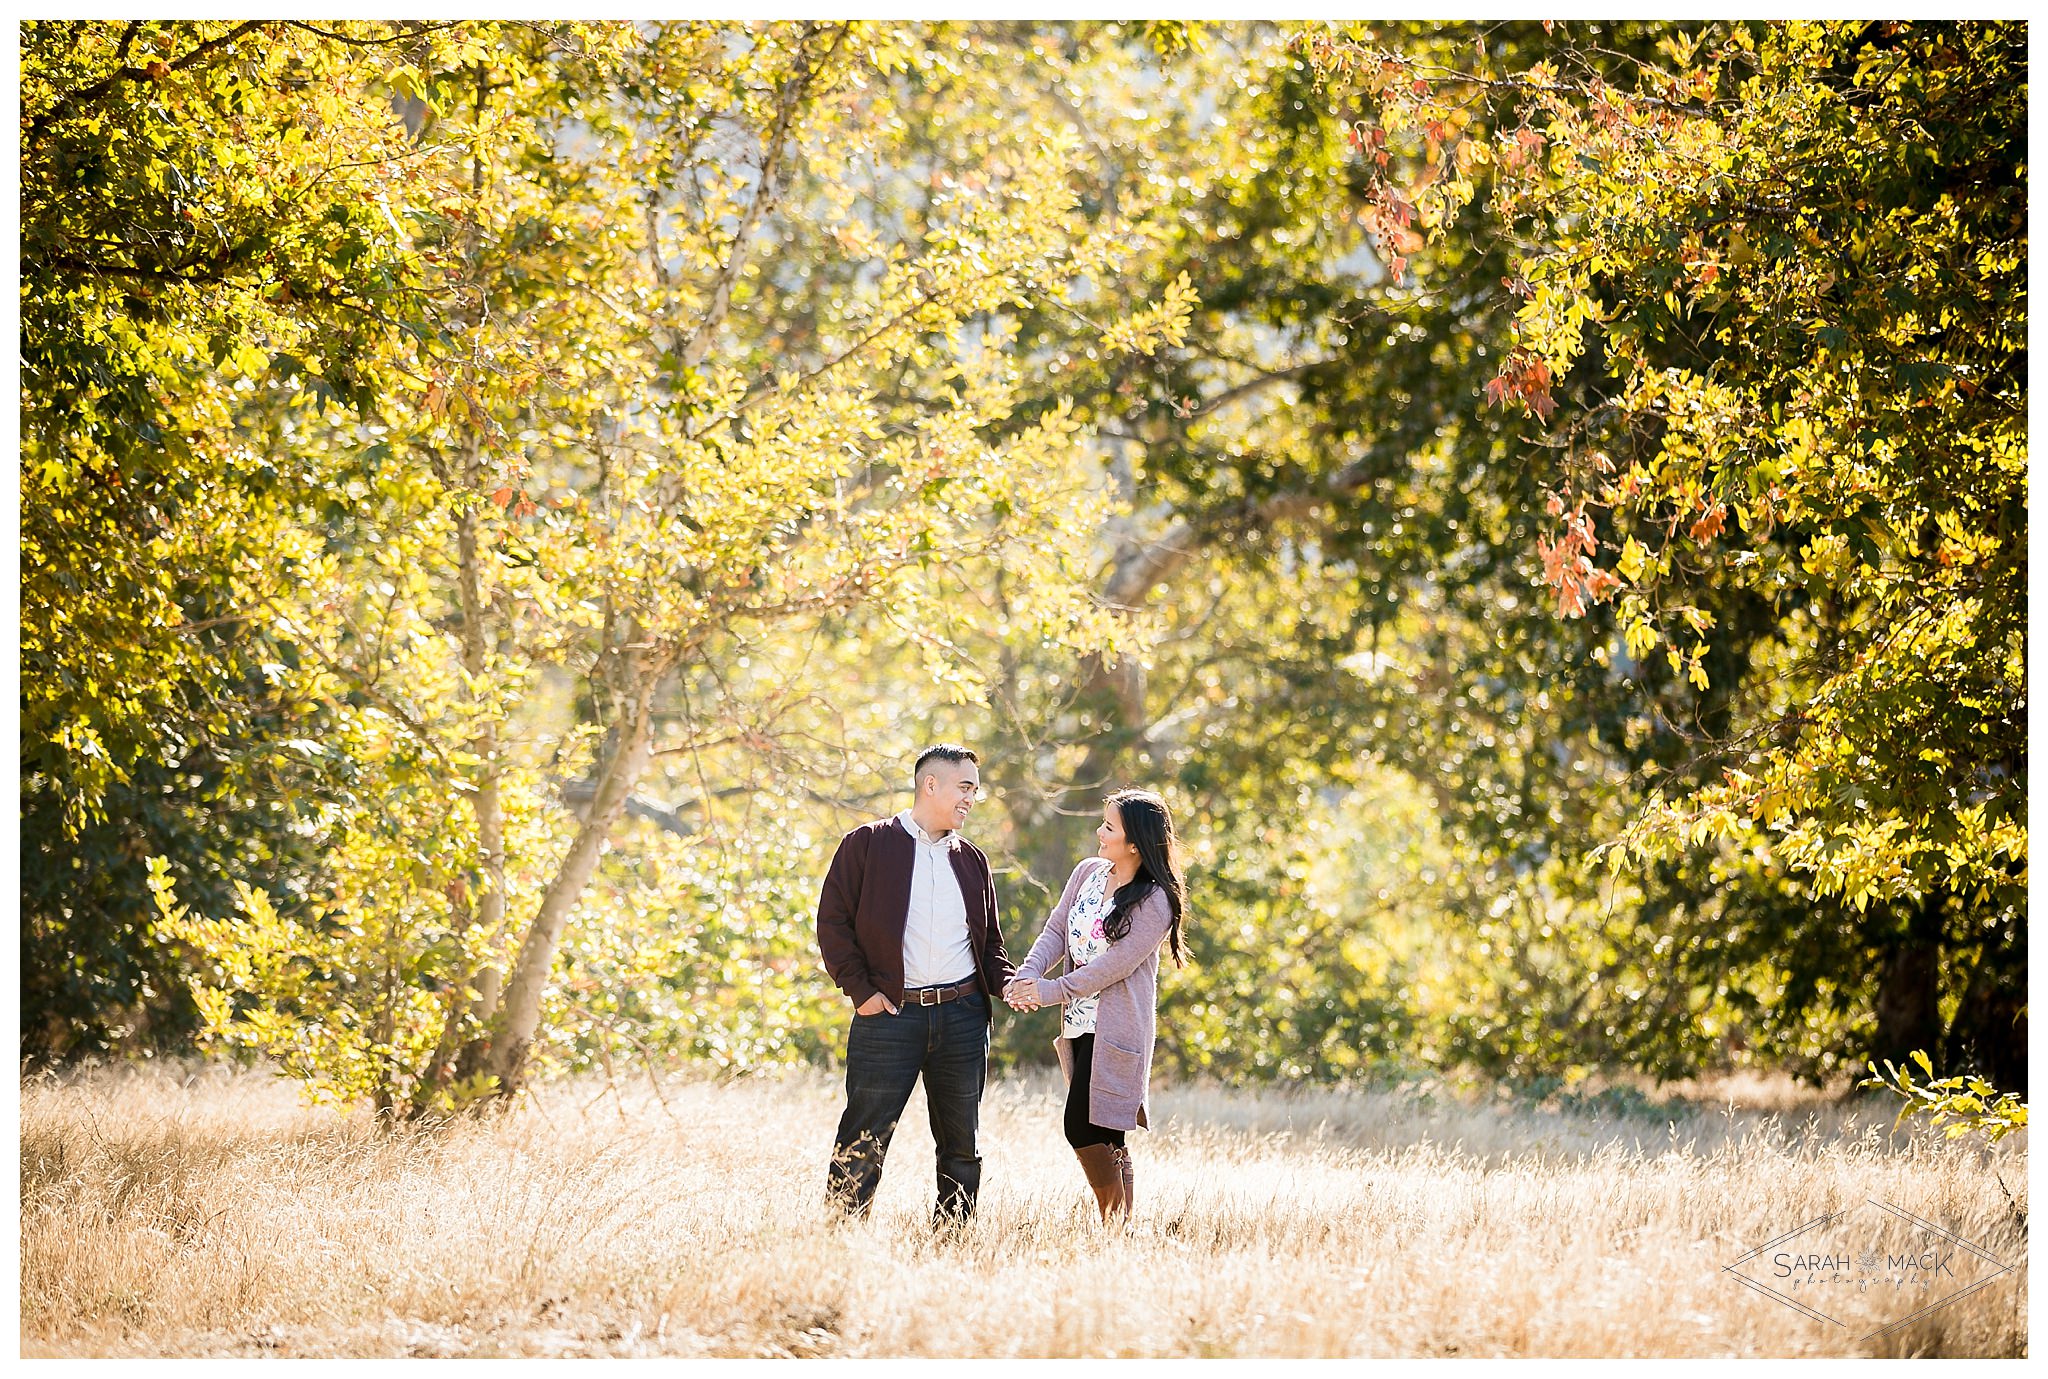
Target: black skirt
x,y
1079,1131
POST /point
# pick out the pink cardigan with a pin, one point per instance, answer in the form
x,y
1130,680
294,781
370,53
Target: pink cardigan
x,y
1126,976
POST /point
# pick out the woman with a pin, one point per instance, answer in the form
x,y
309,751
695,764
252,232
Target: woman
x,y
1118,907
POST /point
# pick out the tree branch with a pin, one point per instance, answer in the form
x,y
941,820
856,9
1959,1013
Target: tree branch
x,y
85,95
215,269
1266,379
374,42
414,728
766,193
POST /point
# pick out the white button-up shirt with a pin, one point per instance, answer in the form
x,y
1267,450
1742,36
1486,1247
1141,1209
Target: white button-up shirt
x,y
937,949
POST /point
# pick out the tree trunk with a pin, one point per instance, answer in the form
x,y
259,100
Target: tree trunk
x,y
1989,1034
1114,696
451,1057
510,1035
385,1096
1909,996
487,802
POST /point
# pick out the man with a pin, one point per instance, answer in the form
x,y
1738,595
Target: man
x,y
907,928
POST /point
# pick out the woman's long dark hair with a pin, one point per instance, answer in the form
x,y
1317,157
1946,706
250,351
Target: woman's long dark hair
x,y
1149,828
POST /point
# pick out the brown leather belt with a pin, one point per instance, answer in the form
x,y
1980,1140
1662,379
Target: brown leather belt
x,y
939,995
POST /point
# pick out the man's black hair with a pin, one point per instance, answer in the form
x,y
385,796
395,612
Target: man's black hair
x,y
941,751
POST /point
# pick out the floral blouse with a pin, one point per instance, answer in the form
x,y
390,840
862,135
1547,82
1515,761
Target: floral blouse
x,y
1085,943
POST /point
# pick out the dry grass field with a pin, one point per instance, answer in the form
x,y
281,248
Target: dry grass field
x,y
213,1214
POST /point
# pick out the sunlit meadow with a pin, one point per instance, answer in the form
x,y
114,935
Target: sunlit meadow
x,y
213,1213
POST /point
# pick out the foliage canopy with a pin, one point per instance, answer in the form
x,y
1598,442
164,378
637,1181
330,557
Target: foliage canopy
x,y
498,498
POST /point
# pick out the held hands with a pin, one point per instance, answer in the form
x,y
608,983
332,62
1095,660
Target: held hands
x,y
1022,994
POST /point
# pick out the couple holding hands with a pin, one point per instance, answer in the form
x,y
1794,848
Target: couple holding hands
x,y
907,929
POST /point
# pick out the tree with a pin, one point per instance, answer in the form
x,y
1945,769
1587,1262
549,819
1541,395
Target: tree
x,y
619,457
195,227
1204,406
1329,567
1772,311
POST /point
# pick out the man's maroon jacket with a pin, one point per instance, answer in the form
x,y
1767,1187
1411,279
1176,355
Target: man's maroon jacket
x,y
866,899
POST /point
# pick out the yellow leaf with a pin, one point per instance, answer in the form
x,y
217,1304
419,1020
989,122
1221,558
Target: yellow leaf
x,y
1631,562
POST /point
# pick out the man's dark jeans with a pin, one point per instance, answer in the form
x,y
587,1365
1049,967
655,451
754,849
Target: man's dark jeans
x,y
885,1053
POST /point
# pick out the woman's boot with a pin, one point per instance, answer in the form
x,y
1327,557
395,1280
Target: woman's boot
x,y
1100,1163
